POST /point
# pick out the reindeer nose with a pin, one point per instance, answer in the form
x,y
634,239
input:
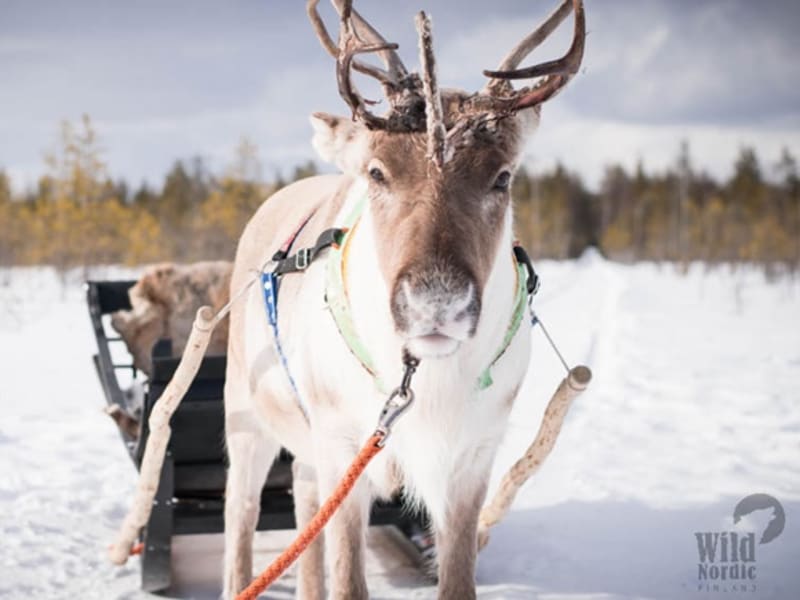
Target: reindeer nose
x,y
436,301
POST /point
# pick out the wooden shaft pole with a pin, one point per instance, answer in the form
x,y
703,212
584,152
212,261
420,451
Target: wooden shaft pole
x,y
571,386
160,432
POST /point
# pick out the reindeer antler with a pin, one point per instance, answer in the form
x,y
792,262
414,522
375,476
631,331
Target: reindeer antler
x,y
395,67
434,114
357,36
557,72
416,103
395,70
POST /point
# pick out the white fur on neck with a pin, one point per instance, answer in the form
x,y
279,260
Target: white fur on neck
x,y
450,417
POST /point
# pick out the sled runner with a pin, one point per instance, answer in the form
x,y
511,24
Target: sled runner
x,y
190,497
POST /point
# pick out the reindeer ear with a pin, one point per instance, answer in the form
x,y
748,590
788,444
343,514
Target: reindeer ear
x,y
339,140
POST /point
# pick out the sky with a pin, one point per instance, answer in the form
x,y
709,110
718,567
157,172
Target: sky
x,y
174,80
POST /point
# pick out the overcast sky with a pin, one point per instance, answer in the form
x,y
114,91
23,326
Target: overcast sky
x,y
166,80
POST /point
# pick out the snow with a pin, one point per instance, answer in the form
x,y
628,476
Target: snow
x,y
693,406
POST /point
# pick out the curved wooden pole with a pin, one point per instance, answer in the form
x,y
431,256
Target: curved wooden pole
x,y
571,386
160,432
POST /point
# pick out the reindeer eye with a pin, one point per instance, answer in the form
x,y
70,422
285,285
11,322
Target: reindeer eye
x,y
377,175
502,181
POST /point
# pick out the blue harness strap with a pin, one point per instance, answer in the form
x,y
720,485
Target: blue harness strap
x,y
269,285
284,264
270,282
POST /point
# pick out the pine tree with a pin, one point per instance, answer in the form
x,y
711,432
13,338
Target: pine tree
x,y
8,227
227,209
790,196
77,167
5,188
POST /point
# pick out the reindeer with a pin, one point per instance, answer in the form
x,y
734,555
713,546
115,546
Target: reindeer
x,y
426,269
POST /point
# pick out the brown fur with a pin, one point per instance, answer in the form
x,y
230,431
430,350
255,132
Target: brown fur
x,y
163,305
416,198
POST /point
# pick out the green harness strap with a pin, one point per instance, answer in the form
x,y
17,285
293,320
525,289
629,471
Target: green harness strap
x,y
339,305
520,305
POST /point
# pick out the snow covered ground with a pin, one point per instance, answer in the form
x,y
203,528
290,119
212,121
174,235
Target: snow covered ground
x,y
694,406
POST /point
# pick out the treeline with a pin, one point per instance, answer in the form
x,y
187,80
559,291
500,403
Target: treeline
x,y
79,216
680,215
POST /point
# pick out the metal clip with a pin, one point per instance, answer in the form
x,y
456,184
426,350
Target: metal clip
x,y
301,259
399,401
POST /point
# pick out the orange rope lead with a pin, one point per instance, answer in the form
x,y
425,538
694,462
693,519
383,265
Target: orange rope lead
x,y
314,527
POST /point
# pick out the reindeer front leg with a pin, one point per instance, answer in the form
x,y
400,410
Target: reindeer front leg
x,y
457,537
250,453
345,535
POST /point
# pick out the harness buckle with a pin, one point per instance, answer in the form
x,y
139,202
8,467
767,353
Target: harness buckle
x,y
534,283
522,258
302,259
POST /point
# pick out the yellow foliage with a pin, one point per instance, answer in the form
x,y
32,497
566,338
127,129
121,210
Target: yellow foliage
x,y
616,238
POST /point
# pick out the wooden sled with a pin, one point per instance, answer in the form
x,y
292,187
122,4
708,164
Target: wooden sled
x,y
190,497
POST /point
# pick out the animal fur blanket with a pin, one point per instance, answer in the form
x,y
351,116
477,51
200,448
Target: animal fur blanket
x,y
163,305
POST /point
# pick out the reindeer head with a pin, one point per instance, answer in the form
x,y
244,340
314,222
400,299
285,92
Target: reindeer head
x,y
438,167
